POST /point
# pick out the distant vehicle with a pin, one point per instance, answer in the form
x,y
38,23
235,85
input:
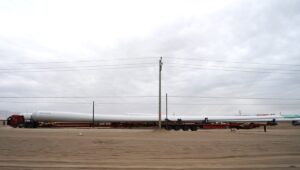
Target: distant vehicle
x,y
192,122
21,122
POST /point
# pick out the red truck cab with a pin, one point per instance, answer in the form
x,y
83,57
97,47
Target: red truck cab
x,y
15,121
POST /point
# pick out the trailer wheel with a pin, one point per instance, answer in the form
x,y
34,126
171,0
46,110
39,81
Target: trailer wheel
x,y
177,128
185,128
168,128
194,128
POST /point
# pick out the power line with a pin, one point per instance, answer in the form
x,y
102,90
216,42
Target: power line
x,y
215,104
76,67
248,71
72,70
251,68
145,96
24,102
88,61
68,97
141,103
153,57
242,98
224,61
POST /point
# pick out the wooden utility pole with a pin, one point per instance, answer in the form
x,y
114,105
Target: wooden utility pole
x,y
93,113
166,105
159,94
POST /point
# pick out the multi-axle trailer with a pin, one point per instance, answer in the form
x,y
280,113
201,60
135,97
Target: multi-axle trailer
x,y
185,123
19,121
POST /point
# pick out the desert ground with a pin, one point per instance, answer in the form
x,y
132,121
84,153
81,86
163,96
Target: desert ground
x,y
79,148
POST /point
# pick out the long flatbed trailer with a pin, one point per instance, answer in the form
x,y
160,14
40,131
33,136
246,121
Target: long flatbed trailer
x,y
185,123
19,121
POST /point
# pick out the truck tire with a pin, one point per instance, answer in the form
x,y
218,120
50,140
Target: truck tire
x,y
177,128
185,128
20,125
194,128
168,128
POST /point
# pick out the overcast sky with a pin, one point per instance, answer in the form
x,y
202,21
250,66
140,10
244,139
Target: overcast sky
x,y
242,55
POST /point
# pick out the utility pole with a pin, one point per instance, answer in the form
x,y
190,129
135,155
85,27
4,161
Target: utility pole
x,y
159,94
93,113
166,105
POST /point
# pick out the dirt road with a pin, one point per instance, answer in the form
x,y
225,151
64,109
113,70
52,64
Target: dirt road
x,y
149,149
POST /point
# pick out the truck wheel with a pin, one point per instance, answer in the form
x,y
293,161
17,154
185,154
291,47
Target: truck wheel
x,y
194,128
20,125
185,128
168,128
177,128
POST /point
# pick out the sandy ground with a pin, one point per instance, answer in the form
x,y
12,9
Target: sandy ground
x,y
27,149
